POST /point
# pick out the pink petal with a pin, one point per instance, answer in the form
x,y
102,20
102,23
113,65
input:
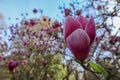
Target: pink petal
x,y
79,43
90,30
83,21
70,25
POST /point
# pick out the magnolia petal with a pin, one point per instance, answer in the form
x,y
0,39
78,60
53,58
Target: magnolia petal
x,y
79,43
70,25
90,30
83,21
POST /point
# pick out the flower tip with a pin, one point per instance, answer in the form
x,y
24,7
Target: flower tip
x,y
70,25
91,30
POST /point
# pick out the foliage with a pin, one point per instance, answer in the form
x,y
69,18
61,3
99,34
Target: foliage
x,y
98,68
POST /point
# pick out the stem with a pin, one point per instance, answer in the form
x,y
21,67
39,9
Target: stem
x,y
82,64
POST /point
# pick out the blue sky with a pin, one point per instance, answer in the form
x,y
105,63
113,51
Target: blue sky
x,y
14,8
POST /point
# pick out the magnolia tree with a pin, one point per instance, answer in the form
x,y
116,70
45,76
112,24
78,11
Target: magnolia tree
x,y
35,52
83,46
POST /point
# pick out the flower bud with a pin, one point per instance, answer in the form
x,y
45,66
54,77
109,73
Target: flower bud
x,y
44,63
79,34
13,65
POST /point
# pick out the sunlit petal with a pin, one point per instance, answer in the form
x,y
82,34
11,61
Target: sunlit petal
x,y
78,42
90,30
83,21
70,25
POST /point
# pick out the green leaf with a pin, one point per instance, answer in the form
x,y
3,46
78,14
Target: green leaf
x,y
98,68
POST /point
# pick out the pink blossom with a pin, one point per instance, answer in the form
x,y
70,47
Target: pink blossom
x,y
56,24
99,7
37,60
26,42
79,34
32,22
26,22
44,63
78,12
98,38
35,10
24,62
67,11
13,65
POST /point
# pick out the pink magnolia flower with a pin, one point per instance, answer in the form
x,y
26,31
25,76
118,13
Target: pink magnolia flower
x,y
26,22
26,42
67,11
13,65
79,34
99,7
35,10
32,22
78,12
44,63
24,62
